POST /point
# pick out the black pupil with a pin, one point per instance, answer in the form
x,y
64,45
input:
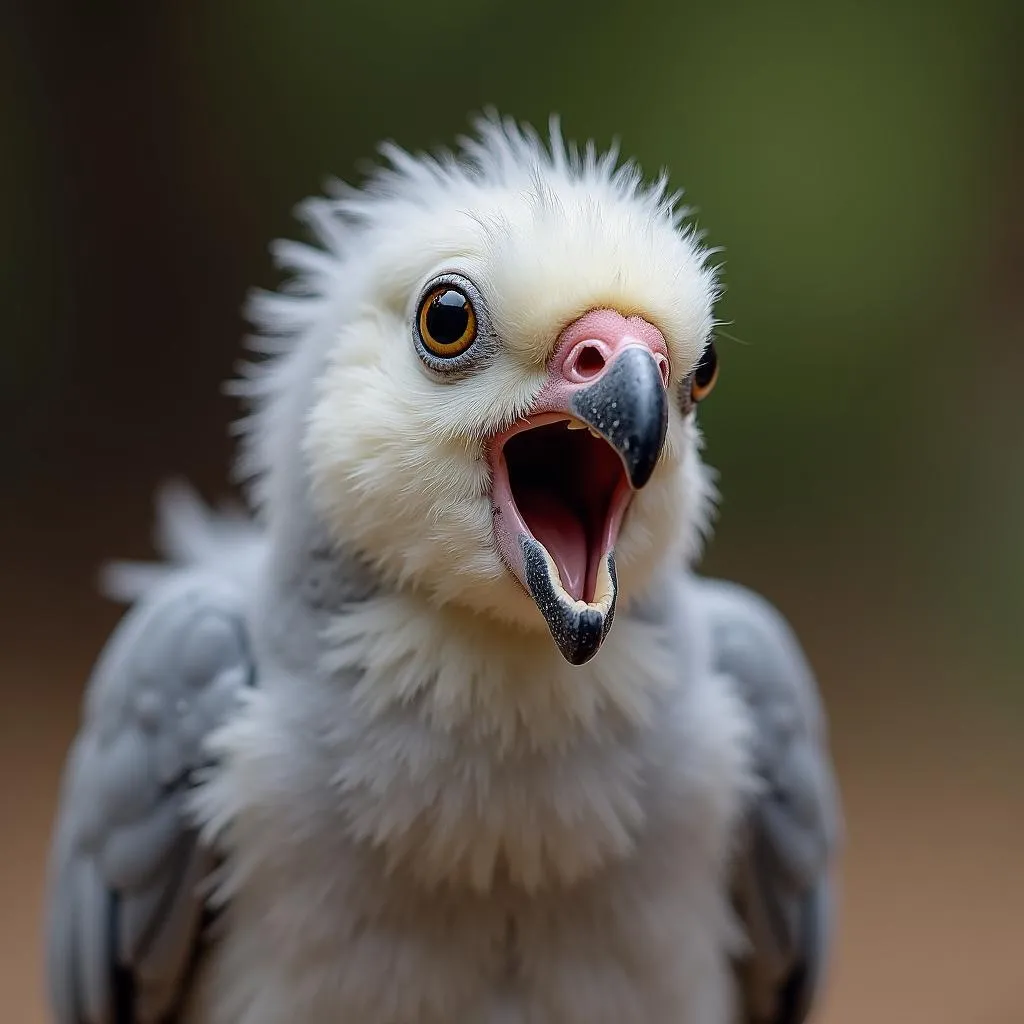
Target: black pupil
x,y
448,317
705,372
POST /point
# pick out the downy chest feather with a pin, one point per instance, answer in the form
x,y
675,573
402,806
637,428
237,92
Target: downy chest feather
x,y
475,842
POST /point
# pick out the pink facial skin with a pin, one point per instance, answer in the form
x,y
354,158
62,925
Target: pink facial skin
x,y
585,351
587,347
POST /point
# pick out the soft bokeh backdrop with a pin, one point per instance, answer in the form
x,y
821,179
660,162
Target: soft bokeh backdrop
x,y
861,164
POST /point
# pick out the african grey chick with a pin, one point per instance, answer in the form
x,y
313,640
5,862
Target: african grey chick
x,y
380,756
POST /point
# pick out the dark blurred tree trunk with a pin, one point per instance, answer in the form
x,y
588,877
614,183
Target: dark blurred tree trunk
x,y
139,348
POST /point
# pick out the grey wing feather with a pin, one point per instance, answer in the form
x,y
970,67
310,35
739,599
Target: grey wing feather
x,y
783,882
125,899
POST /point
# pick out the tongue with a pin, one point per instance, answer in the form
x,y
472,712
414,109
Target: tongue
x,y
561,533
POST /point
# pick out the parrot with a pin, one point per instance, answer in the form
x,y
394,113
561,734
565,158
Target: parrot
x,y
440,724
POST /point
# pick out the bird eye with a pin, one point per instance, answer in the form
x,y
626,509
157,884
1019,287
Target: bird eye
x,y
447,322
705,376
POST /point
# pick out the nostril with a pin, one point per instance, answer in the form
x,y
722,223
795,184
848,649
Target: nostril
x,y
663,367
589,362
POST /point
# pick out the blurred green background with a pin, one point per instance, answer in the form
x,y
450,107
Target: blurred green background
x,y
862,166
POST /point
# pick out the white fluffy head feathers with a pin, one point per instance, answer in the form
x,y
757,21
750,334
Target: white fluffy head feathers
x,y
394,446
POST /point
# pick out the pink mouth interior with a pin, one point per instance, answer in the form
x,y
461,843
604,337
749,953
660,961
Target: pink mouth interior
x,y
570,490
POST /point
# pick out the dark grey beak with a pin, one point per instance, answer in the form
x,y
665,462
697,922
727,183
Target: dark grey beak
x,y
628,407
578,633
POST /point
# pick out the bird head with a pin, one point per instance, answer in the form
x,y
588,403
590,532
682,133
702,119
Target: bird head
x,y
508,345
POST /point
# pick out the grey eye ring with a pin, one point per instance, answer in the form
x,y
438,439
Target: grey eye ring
x,y
451,326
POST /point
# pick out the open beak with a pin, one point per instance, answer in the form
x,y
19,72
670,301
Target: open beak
x,y
563,477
